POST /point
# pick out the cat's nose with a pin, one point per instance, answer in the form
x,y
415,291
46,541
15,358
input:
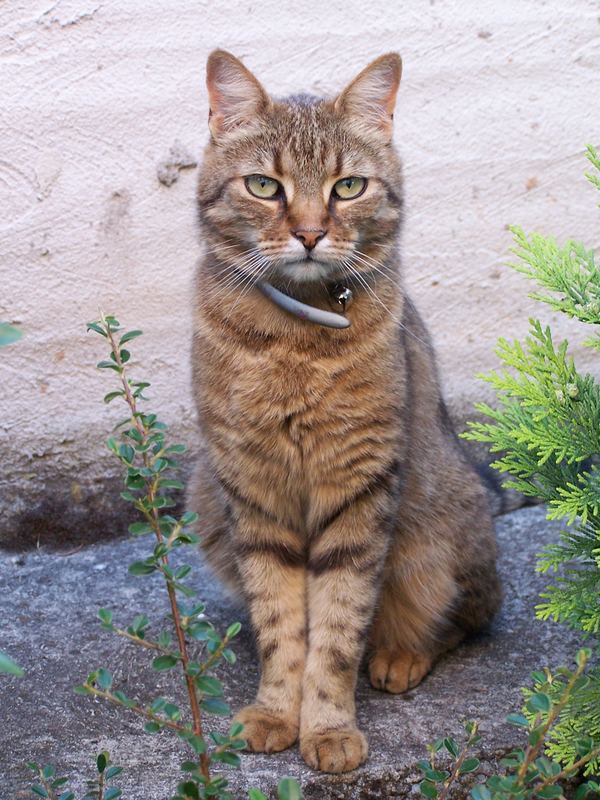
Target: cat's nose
x,y
309,236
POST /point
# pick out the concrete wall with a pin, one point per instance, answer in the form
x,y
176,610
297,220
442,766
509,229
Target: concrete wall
x,y
497,102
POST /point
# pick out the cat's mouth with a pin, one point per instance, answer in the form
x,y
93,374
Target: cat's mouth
x,y
307,269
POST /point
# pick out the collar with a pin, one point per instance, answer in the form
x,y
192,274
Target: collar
x,y
339,296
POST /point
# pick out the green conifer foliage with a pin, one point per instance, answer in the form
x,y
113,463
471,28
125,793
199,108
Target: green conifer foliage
x,y
545,429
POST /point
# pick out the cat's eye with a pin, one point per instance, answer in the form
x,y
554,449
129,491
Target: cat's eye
x,y
262,187
349,188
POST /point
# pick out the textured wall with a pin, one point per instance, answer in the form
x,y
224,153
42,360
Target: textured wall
x,y
495,107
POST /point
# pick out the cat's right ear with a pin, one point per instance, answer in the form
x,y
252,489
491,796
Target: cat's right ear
x,y
370,99
236,98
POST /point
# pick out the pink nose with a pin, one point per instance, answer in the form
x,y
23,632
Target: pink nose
x,y
309,236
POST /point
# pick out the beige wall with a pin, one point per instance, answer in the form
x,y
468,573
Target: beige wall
x,y
497,102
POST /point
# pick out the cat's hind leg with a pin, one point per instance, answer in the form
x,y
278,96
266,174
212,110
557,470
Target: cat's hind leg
x,y
440,585
410,627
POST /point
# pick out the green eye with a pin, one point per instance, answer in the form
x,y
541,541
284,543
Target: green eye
x,y
261,186
349,188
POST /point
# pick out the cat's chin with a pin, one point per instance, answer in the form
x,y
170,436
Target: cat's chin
x,y
306,271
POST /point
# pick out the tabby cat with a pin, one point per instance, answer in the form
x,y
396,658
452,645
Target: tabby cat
x,y
332,492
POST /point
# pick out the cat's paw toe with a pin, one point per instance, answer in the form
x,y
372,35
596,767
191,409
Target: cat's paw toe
x,y
334,750
398,671
265,730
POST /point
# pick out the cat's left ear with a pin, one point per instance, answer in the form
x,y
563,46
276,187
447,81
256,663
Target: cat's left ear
x,y
236,96
370,99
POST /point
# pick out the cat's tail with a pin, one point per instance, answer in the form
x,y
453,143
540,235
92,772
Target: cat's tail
x,y
501,499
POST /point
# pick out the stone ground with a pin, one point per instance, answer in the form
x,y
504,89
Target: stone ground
x,y
48,605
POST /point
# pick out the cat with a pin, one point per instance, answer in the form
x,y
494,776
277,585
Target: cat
x,y
332,493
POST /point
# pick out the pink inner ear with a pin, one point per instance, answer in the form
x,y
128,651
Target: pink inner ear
x,y
371,97
235,96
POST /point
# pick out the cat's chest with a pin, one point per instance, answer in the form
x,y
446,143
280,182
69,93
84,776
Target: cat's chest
x,y
270,389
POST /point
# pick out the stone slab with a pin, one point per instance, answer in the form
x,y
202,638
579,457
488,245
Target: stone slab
x,y
48,605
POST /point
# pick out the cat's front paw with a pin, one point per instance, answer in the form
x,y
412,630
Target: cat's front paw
x,y
334,750
398,671
265,730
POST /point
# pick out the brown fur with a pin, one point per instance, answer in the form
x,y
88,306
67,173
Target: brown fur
x,y
331,490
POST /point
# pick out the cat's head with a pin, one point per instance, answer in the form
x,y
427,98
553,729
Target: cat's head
x,y
304,188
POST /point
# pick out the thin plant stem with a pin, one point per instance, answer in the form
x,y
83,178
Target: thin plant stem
x,y
154,520
142,712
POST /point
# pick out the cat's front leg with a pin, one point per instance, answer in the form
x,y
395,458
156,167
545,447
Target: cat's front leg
x,y
270,561
343,575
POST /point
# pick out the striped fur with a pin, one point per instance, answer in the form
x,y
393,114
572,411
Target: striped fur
x,y
331,490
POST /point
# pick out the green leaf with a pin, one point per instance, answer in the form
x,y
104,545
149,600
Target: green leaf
x,y
112,322
233,630
197,744
95,326
108,365
549,792
469,765
170,483
289,789
152,727
66,796
188,518
518,719
112,772
106,616
481,792
8,666
226,757
183,572
164,662
435,775
112,395
451,746
209,685
129,497
127,337
172,711
112,793
39,790
539,702
256,794
534,737
103,679
189,790
141,568
127,453
583,656
584,745
140,528
101,762
213,705
428,789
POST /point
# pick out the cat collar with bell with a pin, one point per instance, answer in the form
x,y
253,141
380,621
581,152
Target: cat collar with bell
x,y
339,295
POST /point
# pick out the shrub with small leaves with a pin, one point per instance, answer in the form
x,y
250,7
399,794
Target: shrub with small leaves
x,y
51,786
526,772
545,431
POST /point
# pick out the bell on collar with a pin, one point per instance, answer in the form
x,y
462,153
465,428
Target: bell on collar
x,y
342,296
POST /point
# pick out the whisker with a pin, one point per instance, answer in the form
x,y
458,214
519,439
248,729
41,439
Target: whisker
x,y
371,292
